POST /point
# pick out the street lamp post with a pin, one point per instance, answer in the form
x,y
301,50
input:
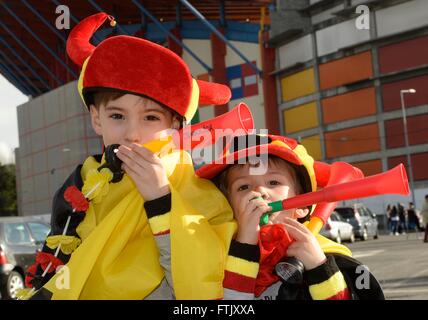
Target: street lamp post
x,y
406,141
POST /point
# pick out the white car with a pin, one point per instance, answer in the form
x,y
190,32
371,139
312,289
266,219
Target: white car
x,y
338,230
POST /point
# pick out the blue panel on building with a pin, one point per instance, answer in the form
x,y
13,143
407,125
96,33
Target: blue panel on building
x,y
237,93
234,72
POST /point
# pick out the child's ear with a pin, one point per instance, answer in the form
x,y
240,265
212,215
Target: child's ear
x,y
95,119
300,213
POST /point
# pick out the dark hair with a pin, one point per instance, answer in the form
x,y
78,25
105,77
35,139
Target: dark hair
x,y
103,97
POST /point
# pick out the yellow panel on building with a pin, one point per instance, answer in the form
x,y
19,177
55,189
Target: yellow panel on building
x,y
313,146
300,118
298,85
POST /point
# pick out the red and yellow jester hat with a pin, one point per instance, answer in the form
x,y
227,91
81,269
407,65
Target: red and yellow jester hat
x,y
246,146
137,66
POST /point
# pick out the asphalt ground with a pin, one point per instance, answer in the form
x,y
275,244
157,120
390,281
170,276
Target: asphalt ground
x,y
400,263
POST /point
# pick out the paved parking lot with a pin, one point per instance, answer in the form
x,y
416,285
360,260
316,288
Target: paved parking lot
x,y
400,263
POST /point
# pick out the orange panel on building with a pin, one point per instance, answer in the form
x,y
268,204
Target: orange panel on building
x,y
369,167
347,70
419,164
350,105
391,93
353,140
403,55
417,129
395,161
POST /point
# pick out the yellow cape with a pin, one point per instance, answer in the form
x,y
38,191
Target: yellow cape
x,y
329,246
118,257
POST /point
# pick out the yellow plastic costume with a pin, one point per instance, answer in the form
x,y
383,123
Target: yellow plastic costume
x,y
118,257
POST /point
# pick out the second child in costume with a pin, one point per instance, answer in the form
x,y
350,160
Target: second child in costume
x,y
143,233
261,169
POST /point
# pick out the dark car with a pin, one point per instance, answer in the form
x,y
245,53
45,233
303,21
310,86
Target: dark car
x,y
20,239
362,219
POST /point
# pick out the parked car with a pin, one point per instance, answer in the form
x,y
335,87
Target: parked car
x,y
20,239
362,219
338,230
46,218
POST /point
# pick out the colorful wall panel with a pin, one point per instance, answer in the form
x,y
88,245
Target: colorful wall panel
x,y
298,85
338,36
299,50
419,161
403,55
346,70
419,165
301,117
395,161
369,167
353,140
313,146
350,105
417,130
242,80
399,18
391,93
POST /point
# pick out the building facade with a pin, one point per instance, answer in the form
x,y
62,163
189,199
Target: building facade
x,y
55,135
340,68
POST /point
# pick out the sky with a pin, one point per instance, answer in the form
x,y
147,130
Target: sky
x,y
10,98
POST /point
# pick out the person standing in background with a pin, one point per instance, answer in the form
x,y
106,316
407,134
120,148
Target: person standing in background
x,y
394,220
402,224
412,218
424,214
388,215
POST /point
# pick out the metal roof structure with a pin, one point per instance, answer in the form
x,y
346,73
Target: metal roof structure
x,y
32,48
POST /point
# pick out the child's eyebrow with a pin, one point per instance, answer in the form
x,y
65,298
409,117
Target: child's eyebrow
x,y
154,110
238,178
114,108
276,172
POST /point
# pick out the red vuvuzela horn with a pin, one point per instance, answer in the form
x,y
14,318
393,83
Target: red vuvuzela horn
x,y
207,132
393,181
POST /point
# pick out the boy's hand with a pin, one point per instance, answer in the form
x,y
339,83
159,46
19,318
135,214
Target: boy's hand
x,y
248,215
146,170
306,247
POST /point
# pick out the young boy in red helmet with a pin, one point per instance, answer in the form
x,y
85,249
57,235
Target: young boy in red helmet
x,y
261,169
112,227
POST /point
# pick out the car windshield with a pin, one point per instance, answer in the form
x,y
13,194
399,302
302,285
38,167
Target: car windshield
x,y
345,212
16,233
38,230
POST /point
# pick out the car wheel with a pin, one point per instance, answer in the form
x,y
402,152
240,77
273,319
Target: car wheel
x,y
338,238
352,238
376,236
14,283
365,235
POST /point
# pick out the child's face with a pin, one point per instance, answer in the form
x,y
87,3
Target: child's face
x,y
131,119
277,183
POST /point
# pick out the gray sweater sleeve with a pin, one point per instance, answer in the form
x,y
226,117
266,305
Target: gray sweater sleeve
x,y
158,214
